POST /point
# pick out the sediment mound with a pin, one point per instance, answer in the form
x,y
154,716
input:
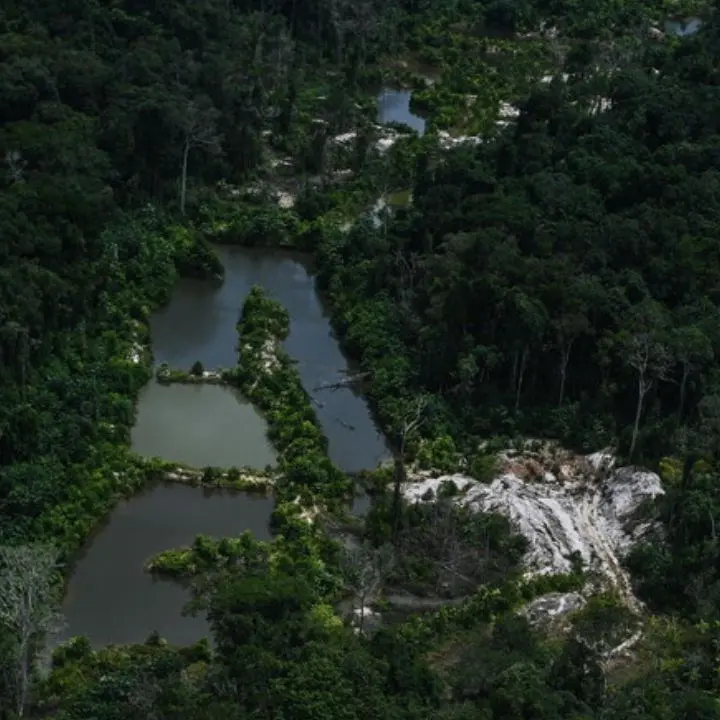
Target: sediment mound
x,y
563,504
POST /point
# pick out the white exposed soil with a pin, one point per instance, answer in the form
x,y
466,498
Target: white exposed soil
x,y
563,504
551,606
268,356
447,141
246,479
285,200
345,138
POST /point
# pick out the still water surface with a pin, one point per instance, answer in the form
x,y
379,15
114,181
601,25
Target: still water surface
x,y
199,324
200,425
683,27
110,599
394,106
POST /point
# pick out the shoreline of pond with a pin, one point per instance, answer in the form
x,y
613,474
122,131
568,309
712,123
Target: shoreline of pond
x,y
210,480
133,603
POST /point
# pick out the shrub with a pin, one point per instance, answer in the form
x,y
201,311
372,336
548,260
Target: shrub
x,y
483,468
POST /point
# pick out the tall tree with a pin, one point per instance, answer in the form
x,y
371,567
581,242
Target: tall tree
x,y
409,425
198,126
644,346
692,345
28,609
364,569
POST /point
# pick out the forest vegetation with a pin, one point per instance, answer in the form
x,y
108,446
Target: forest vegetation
x,y
555,277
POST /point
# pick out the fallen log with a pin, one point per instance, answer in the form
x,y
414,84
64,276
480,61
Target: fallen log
x,y
346,382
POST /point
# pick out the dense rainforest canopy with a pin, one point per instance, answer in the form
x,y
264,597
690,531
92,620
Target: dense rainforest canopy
x,y
559,278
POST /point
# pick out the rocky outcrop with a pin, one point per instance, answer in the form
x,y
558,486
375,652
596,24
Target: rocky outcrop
x,y
565,505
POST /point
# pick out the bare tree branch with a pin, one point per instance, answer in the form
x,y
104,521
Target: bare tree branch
x,y
364,569
345,382
16,165
28,608
199,131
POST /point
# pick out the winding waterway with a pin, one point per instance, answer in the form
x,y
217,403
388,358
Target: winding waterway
x,y
110,599
199,324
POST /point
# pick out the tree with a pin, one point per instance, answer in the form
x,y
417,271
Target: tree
x,y
529,319
691,343
198,128
16,166
703,438
411,420
28,608
458,547
644,347
604,624
692,348
364,569
258,622
567,330
572,322
578,674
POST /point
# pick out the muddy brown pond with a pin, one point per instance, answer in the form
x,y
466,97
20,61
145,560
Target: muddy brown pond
x,y
110,599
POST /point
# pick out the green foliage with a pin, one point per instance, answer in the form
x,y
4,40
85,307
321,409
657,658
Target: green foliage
x,y
439,454
64,458
483,467
167,375
197,374
119,682
520,289
518,286
258,223
677,569
211,476
267,377
194,256
243,554
604,623
544,584
448,489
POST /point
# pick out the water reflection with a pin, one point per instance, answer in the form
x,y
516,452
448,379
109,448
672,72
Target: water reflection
x,y
682,27
394,106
